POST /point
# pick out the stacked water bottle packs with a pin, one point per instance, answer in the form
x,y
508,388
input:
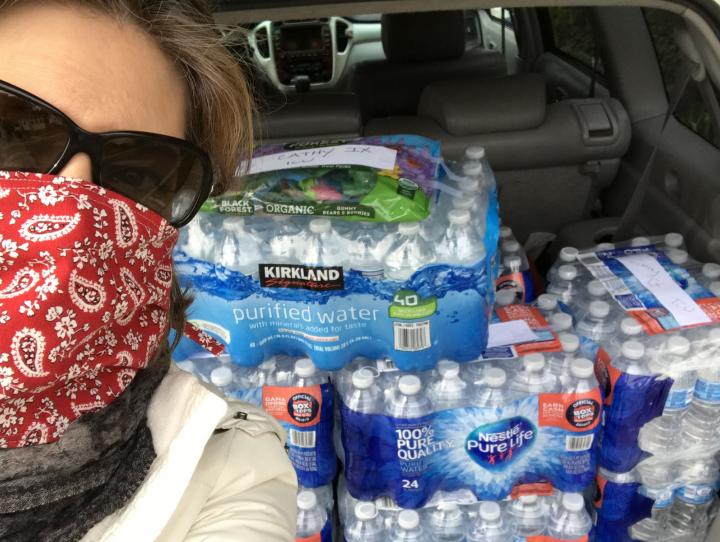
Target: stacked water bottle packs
x,y
343,279
294,392
649,314
482,426
553,517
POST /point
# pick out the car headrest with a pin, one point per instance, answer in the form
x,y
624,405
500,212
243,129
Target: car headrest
x,y
311,115
432,35
479,106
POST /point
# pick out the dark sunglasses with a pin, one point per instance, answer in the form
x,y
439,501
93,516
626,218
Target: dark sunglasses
x,y
167,175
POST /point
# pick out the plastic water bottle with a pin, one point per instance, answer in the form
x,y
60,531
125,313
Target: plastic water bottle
x,y
506,296
197,239
602,247
305,374
660,434
528,516
407,252
632,359
582,377
710,273
653,529
639,242
284,244
311,518
547,304
447,523
678,256
476,153
594,291
477,219
506,234
186,365
534,377
489,525
630,329
322,246
700,423
559,362
567,256
511,247
689,512
674,240
565,286
460,245
670,363
561,322
239,250
408,528
571,521
448,390
512,263
366,525
407,401
596,325
492,392
363,250
365,396
222,378
474,185
714,288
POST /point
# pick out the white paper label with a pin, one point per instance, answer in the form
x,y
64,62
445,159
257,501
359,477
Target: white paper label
x,y
653,276
373,156
512,332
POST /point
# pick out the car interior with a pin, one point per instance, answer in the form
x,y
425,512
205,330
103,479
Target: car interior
x,y
568,102
577,107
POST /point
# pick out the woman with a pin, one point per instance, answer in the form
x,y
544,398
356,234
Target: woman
x,y
100,439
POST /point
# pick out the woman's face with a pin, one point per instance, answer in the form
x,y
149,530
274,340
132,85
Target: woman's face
x,y
104,74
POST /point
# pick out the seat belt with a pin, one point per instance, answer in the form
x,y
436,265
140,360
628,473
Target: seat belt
x,y
632,211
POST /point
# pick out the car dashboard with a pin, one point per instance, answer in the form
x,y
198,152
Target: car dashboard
x,y
309,54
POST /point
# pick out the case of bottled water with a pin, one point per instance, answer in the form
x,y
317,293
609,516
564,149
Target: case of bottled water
x,y
516,416
294,392
397,260
535,513
650,316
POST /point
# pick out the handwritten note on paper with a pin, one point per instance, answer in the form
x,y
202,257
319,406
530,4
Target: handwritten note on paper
x,y
653,276
373,156
512,332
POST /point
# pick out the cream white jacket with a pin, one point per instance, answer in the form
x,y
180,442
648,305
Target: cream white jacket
x,y
235,483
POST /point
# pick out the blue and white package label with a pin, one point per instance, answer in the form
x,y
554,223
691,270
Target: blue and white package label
x,y
547,437
631,401
442,311
659,294
306,413
707,391
619,505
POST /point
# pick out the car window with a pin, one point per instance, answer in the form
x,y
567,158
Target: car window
x,y
692,111
501,15
573,35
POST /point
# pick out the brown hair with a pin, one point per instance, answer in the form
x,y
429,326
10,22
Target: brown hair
x,y
220,104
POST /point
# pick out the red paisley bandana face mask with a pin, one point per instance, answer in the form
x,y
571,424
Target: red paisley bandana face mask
x,y
85,281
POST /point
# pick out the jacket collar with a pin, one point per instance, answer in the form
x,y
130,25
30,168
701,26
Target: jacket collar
x,y
182,416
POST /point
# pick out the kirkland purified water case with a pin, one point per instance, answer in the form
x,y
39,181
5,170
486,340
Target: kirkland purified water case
x,y
370,247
